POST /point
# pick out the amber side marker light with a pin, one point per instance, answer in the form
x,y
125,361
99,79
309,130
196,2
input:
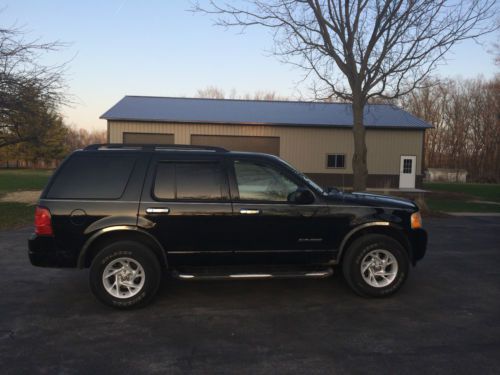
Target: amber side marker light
x,y
416,220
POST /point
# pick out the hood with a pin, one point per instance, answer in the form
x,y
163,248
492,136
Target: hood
x,y
367,199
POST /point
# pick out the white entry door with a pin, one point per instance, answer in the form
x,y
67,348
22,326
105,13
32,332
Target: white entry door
x,y
407,172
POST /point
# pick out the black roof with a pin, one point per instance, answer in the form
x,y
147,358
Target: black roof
x,y
258,112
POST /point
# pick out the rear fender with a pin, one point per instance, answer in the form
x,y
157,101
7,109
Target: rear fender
x,y
115,231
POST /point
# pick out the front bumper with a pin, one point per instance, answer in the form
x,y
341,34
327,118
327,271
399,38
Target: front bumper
x,y
418,240
44,252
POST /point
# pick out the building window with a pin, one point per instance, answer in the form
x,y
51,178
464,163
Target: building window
x,y
407,166
335,161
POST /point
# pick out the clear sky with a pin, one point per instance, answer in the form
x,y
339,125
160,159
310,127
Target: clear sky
x,y
157,47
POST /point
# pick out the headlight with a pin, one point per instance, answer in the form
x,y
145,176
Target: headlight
x,y
416,220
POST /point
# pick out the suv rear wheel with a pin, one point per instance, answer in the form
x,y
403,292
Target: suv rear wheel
x,y
375,265
125,274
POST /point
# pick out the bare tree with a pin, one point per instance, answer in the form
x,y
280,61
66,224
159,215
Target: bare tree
x,y
359,50
213,92
80,138
466,134
29,91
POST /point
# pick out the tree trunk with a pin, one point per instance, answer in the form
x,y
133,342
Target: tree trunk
x,y
359,166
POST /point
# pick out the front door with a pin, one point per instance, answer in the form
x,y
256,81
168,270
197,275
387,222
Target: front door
x,y
407,172
267,227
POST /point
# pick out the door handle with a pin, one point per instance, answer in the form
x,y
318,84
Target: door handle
x,y
154,210
248,211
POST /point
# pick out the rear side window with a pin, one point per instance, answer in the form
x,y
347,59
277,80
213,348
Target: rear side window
x,y
93,177
188,180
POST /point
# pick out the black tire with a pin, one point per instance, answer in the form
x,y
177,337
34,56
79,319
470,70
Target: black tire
x,y
359,249
139,254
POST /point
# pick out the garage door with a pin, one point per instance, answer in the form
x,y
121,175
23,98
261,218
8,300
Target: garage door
x,y
148,138
268,145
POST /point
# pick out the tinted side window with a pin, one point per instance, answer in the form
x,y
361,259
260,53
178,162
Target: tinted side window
x,y
165,181
262,182
188,180
93,177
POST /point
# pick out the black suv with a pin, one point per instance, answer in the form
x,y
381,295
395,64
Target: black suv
x,y
131,212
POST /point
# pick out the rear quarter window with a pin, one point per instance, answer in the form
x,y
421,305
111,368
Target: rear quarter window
x,y
92,177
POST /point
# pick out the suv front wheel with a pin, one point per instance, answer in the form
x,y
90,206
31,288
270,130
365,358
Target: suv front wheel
x,y
375,265
125,274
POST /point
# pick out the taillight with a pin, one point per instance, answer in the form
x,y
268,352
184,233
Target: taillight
x,y
43,222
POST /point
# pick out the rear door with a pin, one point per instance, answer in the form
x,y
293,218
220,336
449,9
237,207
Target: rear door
x,y
186,198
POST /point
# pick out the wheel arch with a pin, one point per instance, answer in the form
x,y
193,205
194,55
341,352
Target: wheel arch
x,y
378,227
108,235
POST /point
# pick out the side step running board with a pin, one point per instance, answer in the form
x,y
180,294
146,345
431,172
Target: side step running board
x,y
318,274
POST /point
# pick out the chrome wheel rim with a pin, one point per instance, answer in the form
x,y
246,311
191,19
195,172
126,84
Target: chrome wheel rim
x,y
123,277
379,268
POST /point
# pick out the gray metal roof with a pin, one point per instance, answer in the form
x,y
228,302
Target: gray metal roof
x,y
257,112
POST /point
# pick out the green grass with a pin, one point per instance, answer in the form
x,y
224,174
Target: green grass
x,y
485,192
14,215
23,179
456,197
457,205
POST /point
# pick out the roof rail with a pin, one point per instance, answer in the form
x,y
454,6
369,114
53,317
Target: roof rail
x,y
152,147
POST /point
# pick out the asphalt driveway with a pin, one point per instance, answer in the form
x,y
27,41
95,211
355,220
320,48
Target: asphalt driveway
x,y
445,320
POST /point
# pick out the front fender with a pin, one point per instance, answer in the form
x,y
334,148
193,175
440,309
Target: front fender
x,y
380,226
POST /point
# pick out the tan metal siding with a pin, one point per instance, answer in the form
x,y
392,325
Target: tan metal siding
x,y
305,148
385,148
